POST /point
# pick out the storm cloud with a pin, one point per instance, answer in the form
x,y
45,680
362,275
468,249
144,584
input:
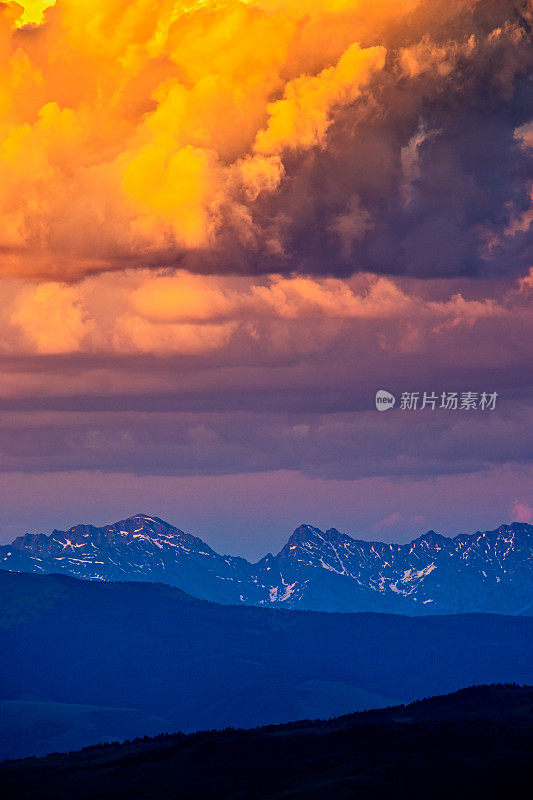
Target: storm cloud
x,y
260,137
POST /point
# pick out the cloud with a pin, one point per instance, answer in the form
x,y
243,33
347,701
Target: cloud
x,y
52,318
186,374
138,312
522,512
224,225
324,138
415,164
389,522
33,11
252,437
137,335
301,118
184,297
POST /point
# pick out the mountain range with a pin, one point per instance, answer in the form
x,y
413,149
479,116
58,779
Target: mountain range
x,y
489,571
475,743
83,662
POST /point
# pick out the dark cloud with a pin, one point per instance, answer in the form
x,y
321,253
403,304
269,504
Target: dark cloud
x,y
341,445
447,211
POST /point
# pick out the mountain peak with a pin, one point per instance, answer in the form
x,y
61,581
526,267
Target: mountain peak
x,y
430,538
517,527
305,534
143,518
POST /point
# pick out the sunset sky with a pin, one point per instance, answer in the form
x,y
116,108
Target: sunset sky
x,y
224,225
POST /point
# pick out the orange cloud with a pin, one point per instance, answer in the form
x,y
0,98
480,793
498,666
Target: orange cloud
x,y
184,297
135,334
33,11
126,134
52,318
299,297
301,118
137,312
205,133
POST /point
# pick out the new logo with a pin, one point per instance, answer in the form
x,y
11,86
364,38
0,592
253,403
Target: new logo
x,y
384,400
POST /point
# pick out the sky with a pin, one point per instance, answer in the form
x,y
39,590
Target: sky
x,y
224,226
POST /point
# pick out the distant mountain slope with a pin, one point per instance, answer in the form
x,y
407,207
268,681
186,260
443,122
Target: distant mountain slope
x,y
489,571
141,548
476,743
194,664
